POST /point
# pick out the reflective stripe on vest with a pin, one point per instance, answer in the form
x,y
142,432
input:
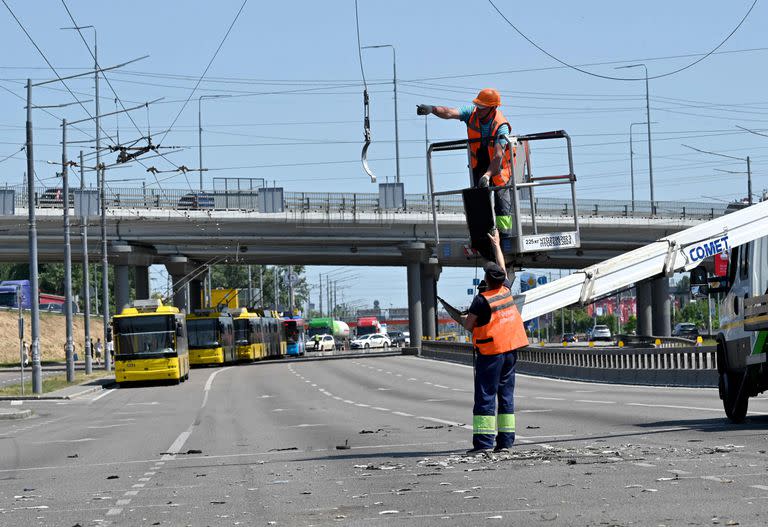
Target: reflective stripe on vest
x,y
505,331
474,134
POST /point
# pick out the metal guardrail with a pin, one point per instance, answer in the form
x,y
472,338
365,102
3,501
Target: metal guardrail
x,y
685,366
332,202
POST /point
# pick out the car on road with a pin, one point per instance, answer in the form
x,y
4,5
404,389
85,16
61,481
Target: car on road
x,y
322,343
372,340
569,337
686,330
600,332
397,338
196,201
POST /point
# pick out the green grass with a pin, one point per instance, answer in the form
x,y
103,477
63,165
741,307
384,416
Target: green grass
x,y
50,383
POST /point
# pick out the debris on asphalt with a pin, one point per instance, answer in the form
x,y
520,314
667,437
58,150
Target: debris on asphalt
x,y
73,456
530,427
388,512
383,466
218,502
194,451
113,477
282,449
371,431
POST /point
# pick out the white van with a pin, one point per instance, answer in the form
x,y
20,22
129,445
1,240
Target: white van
x,y
742,340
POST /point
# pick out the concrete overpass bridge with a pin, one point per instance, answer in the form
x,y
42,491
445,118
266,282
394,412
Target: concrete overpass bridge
x,y
186,230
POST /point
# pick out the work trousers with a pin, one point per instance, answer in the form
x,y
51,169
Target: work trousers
x,y
502,199
494,378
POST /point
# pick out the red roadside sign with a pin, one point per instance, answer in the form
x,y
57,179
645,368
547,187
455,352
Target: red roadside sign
x,y
721,264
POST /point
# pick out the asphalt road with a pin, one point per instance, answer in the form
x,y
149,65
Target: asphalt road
x,y
379,441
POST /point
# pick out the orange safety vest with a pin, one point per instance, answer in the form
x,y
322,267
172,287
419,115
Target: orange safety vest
x,y
505,331
475,135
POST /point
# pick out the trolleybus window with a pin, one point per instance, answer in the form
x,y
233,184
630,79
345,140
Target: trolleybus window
x,y
203,333
242,330
141,335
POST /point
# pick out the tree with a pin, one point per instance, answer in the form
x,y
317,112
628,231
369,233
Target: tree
x,y
236,277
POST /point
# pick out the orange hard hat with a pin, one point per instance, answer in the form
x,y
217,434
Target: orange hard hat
x,y
488,97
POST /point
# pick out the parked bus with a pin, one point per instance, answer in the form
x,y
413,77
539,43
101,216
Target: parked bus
x,y
274,335
294,335
367,326
211,337
150,343
249,335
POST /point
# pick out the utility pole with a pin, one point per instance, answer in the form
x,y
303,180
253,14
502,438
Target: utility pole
x,y
277,290
86,280
69,345
321,294
648,122
261,286
19,302
37,377
749,168
290,289
394,86
328,291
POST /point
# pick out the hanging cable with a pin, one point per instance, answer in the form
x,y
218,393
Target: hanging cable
x,y
366,105
553,57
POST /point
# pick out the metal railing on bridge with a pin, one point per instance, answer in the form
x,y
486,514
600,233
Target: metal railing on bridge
x,y
338,202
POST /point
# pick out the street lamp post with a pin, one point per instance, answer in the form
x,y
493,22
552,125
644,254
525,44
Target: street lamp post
x,y
648,121
394,85
200,131
749,168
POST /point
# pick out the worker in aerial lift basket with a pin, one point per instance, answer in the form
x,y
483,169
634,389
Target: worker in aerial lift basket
x,y
497,332
489,152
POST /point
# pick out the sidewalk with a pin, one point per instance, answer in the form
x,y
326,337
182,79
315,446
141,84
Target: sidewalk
x,y
70,392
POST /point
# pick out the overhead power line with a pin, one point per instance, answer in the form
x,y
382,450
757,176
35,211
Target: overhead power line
x,y
608,77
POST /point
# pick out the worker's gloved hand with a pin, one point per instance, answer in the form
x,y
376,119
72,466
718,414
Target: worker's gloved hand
x,y
484,182
423,109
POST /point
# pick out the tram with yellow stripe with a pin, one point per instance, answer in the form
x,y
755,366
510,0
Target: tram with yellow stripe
x,y
211,337
150,343
249,335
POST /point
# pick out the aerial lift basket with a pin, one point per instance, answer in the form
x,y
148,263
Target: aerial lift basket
x,y
478,202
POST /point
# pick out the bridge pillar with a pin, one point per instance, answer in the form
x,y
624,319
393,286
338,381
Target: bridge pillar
x,y
180,293
142,281
195,294
415,252
430,273
662,307
122,293
644,308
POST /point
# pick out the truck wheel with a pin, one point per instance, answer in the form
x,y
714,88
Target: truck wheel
x,y
735,405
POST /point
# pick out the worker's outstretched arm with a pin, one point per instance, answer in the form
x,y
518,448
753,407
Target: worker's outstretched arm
x,y
496,246
443,112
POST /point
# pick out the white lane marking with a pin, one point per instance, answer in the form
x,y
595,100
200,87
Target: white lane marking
x,y
362,405
150,473
122,502
759,487
542,437
532,411
209,383
380,408
452,514
549,398
717,479
114,512
677,407
441,421
177,444
404,414
138,486
159,462
337,397
16,403
83,440
144,479
279,410
131,493
384,389
108,426
102,395
441,386
348,401
646,465
436,400
594,402
306,425
153,403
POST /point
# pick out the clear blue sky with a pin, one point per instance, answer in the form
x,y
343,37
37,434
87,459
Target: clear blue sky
x,y
294,68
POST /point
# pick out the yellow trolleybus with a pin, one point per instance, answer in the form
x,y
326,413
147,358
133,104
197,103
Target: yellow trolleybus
x,y
150,343
249,335
274,335
211,337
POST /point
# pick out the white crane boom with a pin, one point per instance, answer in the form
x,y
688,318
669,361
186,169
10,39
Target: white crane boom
x,y
681,251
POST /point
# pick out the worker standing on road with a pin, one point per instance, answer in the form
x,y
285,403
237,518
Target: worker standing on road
x,y
497,331
490,153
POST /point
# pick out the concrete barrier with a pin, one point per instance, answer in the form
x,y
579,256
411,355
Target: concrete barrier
x,y
693,366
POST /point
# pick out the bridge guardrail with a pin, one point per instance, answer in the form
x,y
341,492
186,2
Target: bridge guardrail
x,y
684,366
337,202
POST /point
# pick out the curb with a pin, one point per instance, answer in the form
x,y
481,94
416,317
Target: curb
x,y
15,414
53,397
